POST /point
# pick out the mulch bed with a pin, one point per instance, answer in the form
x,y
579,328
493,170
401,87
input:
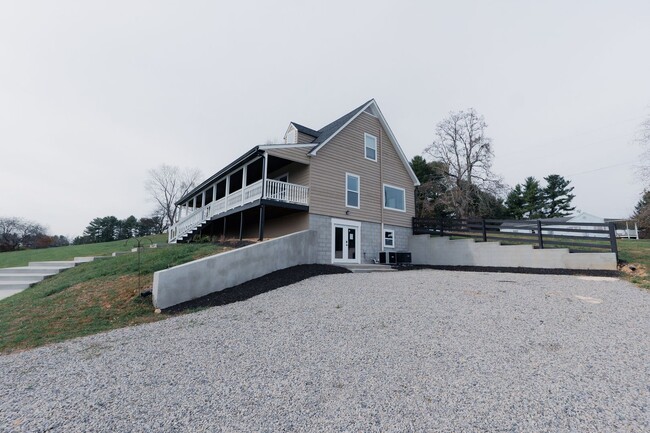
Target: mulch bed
x,y
593,272
266,283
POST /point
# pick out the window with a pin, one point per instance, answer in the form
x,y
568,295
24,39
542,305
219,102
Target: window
x,y
351,190
389,238
394,198
370,146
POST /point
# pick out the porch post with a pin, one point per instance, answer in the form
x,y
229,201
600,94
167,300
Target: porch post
x,y
243,182
261,223
265,166
224,227
241,225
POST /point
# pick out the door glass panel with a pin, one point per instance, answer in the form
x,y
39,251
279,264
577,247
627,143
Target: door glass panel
x,y
352,241
338,242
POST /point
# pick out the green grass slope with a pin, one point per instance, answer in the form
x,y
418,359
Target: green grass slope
x,y
636,252
22,258
90,298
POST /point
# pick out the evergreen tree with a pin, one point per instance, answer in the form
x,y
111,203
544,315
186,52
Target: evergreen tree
x,y
642,215
431,199
643,204
515,203
557,196
533,198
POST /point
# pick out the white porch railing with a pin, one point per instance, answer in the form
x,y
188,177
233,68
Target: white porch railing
x,y
287,192
273,190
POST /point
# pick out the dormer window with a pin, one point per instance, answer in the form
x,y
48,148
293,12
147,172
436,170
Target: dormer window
x,y
370,147
291,137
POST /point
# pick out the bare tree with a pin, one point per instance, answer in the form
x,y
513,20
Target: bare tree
x,y
644,140
461,145
17,233
167,184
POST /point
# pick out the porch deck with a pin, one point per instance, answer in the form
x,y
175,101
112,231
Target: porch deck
x,y
263,189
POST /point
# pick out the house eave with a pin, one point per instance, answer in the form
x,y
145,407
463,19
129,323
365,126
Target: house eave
x,y
230,167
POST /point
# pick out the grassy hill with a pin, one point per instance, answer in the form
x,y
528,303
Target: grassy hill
x,y
90,298
21,258
636,252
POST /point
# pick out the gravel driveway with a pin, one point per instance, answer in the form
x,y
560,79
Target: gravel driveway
x,y
405,351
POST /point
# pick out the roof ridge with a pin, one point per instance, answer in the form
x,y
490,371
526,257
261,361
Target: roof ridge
x,y
327,131
305,130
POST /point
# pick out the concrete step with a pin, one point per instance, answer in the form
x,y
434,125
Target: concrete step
x,y
28,278
83,259
30,270
369,268
14,285
54,264
9,292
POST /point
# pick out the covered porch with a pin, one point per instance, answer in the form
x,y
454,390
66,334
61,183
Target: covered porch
x,y
256,181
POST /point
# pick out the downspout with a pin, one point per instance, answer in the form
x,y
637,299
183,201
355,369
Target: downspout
x,y
381,190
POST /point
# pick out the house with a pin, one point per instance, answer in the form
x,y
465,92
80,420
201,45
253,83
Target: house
x,y
349,181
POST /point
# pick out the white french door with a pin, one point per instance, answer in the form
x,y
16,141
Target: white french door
x,y
346,242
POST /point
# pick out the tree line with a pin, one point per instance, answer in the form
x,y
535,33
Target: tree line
x,y
458,181
19,233
110,228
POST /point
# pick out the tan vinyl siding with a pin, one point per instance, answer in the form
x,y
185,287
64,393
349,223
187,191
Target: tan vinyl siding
x,y
299,154
345,154
395,174
298,173
304,138
285,225
276,227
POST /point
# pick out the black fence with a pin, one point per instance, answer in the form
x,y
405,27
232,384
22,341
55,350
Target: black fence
x,y
577,237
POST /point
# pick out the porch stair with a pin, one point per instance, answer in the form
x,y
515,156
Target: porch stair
x,y
15,280
187,237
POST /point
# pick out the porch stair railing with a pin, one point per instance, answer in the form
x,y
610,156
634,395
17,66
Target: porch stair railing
x,y
262,189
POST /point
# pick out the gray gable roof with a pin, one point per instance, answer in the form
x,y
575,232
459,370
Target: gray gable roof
x,y
328,130
304,130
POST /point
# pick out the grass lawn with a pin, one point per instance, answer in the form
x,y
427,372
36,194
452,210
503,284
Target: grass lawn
x,y
21,258
90,298
636,252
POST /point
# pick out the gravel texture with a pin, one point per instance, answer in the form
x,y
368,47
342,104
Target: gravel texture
x,y
424,350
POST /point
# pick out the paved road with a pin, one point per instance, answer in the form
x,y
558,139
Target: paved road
x,y
405,351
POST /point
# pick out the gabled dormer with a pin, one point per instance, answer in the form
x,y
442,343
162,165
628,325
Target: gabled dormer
x,y
291,136
299,134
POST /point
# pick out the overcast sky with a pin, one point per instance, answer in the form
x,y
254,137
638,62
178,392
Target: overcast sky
x,y
93,94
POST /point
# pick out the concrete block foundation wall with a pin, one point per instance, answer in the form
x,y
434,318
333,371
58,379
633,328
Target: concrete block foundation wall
x,y
371,239
441,251
212,274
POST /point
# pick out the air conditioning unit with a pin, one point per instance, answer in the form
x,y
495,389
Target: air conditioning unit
x,y
387,258
403,258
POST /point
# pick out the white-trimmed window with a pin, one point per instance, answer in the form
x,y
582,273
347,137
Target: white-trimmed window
x,y
394,198
370,146
389,238
352,188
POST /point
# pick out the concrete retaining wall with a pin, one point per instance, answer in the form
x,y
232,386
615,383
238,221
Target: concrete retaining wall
x,y
212,274
442,251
